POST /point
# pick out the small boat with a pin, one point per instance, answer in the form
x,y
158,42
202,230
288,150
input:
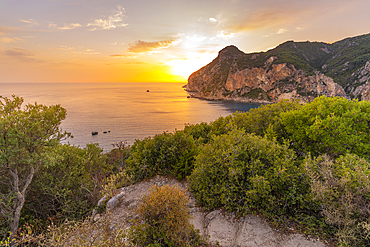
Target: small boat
x,y
94,133
147,91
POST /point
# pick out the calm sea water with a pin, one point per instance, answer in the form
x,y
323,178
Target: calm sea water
x,y
127,110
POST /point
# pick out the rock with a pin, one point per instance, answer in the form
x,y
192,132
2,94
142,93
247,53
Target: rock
x,y
114,201
94,133
225,228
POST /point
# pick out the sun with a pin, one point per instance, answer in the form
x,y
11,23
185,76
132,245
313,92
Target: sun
x,y
184,67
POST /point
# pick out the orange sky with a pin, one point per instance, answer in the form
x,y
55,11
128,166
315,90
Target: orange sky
x,y
156,41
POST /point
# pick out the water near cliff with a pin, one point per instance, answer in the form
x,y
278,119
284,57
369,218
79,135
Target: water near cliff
x,y
128,110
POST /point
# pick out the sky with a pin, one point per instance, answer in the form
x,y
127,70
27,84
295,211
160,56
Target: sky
x,y
156,40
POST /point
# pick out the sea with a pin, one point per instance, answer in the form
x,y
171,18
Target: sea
x,y
122,112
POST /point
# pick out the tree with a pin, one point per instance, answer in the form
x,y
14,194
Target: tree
x,y
27,135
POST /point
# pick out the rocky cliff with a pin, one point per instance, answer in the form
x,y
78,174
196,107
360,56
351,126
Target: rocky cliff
x,y
293,70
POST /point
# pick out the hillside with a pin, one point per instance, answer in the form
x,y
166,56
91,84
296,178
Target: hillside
x,y
302,70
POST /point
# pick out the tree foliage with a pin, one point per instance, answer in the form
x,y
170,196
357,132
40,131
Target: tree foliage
x,y
69,188
26,135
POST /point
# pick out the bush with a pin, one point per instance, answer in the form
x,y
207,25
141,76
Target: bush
x,y
343,189
69,188
164,220
200,132
166,153
330,125
266,119
242,172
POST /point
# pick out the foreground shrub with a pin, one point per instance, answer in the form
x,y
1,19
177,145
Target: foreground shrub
x,y
75,233
164,220
343,189
166,153
242,172
68,189
330,125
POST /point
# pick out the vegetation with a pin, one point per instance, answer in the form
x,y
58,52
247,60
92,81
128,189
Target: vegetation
x,y
164,220
340,60
26,138
302,166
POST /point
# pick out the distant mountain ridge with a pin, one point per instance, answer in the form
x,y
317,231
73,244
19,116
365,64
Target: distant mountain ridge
x,y
293,70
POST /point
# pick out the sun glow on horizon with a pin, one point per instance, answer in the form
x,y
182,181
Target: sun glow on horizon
x,y
186,66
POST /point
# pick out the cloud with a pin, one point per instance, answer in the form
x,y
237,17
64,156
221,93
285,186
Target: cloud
x,y
69,26
265,18
281,31
225,35
7,30
144,46
213,20
20,54
79,50
7,40
16,52
53,25
113,21
196,38
30,21
67,49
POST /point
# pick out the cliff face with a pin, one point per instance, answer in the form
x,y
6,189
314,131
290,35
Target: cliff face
x,y
223,80
293,70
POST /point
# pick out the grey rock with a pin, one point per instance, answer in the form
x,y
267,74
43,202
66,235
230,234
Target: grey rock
x,y
114,201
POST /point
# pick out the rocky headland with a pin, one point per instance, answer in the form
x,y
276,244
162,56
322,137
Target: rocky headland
x,y
293,70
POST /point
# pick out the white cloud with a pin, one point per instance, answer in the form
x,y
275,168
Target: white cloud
x,y
113,21
196,38
30,21
52,25
70,26
282,30
213,20
225,35
66,26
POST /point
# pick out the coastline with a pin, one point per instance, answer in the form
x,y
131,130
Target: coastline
x,y
193,94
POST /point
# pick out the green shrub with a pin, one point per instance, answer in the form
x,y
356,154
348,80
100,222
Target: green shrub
x,y
330,125
69,188
200,132
266,119
242,172
343,189
166,153
164,220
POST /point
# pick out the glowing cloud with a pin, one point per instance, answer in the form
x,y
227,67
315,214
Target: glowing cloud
x,y
196,38
225,35
7,40
111,22
144,46
30,21
213,20
282,30
69,26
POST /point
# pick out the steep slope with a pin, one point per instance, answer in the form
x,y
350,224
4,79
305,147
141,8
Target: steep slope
x,y
302,70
